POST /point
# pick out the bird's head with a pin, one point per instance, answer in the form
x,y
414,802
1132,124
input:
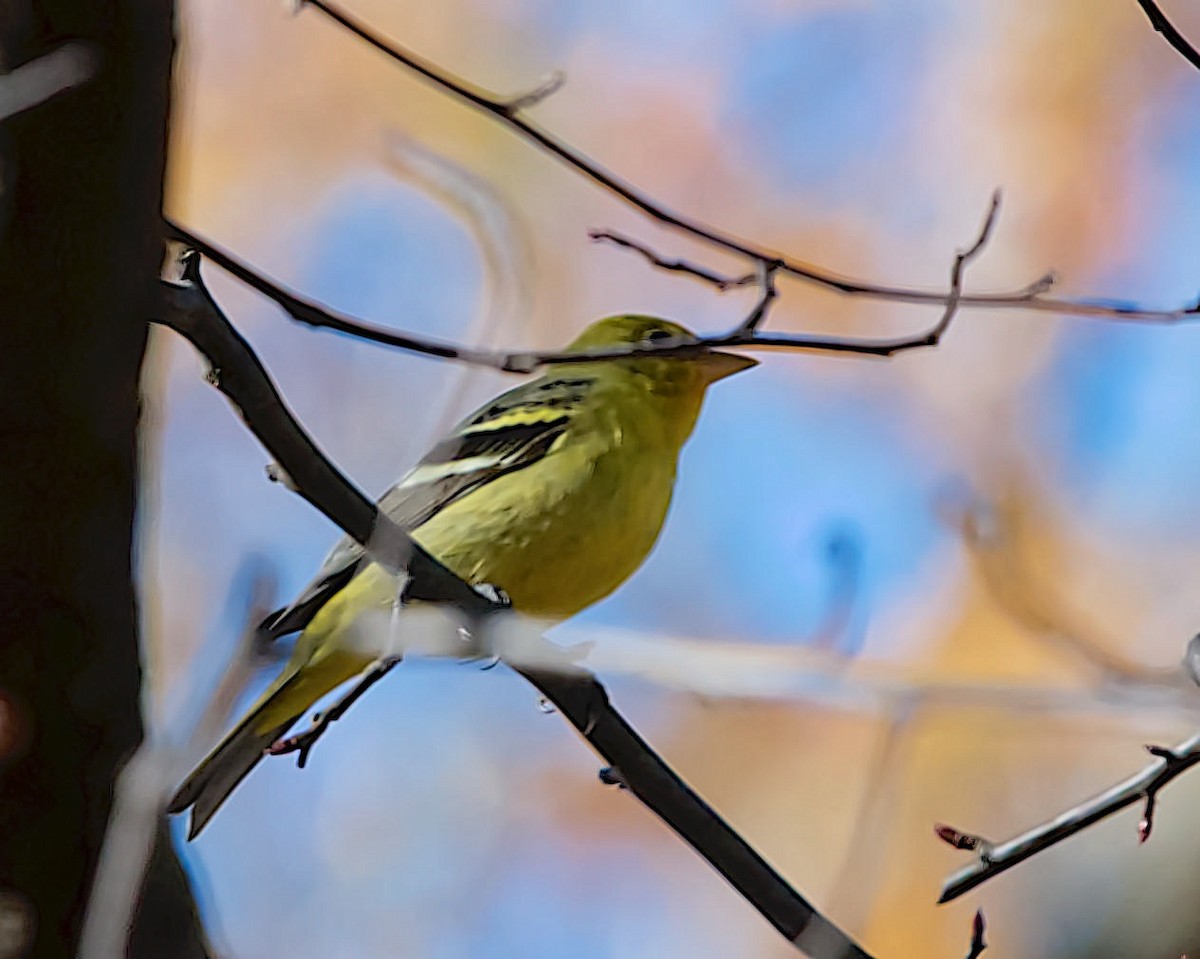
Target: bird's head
x,y
663,375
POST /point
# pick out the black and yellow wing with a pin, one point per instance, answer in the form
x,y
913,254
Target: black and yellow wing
x,y
513,431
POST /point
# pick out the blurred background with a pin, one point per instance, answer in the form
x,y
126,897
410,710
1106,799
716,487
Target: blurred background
x,y
973,568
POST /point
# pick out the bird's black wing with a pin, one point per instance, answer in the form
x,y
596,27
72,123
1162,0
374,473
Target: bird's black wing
x,y
513,431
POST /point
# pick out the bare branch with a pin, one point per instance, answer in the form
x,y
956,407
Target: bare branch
x,y
1159,21
68,66
190,310
746,334
961,259
999,857
141,794
1030,298
722,283
579,697
859,877
766,296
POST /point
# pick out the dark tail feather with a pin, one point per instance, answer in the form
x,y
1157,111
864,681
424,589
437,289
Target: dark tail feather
x,y
207,788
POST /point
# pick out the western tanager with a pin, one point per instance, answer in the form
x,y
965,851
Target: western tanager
x,y
555,492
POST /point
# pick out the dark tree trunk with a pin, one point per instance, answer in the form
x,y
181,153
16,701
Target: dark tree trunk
x,y
81,181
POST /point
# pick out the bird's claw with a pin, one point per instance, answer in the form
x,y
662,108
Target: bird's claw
x,y
301,743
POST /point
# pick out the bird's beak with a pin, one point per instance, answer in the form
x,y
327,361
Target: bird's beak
x,y
718,365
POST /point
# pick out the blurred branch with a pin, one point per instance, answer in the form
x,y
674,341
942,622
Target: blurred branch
x,y
837,631
995,858
746,334
32,84
190,310
859,876
141,795
1159,21
504,303
993,533
1191,660
508,112
500,235
702,273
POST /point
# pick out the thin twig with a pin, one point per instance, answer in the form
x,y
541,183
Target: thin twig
x,y
855,889
766,296
189,309
136,820
502,110
961,259
996,858
837,631
1159,21
720,281
578,696
547,88
746,334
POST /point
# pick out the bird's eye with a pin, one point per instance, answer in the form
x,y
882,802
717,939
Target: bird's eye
x,y
658,335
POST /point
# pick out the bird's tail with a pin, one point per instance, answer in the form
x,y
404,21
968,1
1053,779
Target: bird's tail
x,y
210,784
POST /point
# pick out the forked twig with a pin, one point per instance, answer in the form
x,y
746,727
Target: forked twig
x,y
746,334
995,858
684,267
503,110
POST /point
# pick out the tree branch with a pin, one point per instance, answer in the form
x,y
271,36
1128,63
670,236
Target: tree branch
x,y
995,858
1159,21
32,84
746,334
509,113
190,310
702,273
142,788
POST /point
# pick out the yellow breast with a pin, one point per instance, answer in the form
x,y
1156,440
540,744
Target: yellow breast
x,y
566,531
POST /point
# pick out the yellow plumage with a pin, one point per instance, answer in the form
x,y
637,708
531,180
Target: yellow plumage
x,y
555,492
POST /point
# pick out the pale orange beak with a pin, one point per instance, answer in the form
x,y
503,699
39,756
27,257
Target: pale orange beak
x,y
718,365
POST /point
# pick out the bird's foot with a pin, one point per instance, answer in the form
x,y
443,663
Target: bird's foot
x,y
473,634
302,743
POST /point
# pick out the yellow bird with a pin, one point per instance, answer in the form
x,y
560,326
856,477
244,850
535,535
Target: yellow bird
x,y
554,492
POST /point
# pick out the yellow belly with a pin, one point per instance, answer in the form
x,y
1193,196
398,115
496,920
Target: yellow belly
x,y
556,547
556,537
